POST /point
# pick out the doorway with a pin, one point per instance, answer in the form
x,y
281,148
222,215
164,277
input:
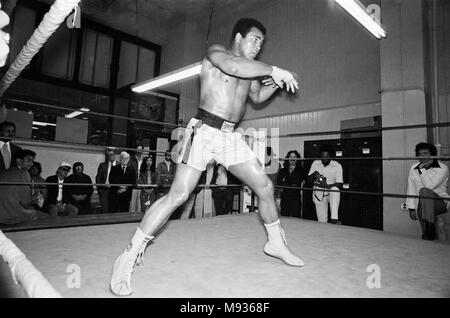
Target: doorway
x,y
359,175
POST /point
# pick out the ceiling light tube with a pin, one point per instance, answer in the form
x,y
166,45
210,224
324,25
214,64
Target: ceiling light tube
x,y
172,77
359,12
40,123
77,112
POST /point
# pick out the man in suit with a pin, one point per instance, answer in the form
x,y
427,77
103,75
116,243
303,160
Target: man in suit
x,y
8,150
165,172
135,164
102,177
16,201
120,196
223,197
54,202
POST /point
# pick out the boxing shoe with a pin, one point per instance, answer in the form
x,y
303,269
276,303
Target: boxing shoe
x,y
125,263
276,245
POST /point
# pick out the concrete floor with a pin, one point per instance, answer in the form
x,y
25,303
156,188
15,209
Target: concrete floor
x,y
222,257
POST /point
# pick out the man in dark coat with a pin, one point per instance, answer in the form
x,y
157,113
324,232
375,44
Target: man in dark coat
x,y
120,196
102,177
78,196
8,150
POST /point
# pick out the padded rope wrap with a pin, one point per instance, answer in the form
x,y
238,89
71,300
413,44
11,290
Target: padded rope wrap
x,y
51,21
23,271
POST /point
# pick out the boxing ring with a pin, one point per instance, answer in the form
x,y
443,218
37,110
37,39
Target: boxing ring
x,y
215,257
223,257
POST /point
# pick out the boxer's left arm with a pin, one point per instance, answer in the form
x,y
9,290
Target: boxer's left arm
x,y
259,94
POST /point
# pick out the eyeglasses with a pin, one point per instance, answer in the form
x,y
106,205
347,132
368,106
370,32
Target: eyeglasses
x,y
65,169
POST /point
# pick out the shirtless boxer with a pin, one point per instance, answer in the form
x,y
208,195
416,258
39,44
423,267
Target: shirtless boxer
x,y
228,77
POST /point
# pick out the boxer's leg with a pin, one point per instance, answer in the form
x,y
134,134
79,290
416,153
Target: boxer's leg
x,y
252,174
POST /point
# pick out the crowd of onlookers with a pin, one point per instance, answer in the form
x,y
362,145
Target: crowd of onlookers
x,y
25,195
130,183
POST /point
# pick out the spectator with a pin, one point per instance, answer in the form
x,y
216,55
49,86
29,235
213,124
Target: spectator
x,y
428,178
102,177
272,166
194,202
54,203
16,201
147,176
7,148
292,175
94,140
165,172
326,174
135,164
35,173
120,196
78,196
223,196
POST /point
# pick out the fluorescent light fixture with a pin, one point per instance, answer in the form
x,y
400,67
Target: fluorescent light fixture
x,y
360,13
77,112
168,78
40,123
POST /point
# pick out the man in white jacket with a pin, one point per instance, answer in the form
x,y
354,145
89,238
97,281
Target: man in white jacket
x,y
427,178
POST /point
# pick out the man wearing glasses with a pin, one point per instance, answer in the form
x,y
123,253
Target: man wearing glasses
x,y
54,203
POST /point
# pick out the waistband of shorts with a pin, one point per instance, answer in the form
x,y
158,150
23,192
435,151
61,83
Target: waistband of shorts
x,y
212,120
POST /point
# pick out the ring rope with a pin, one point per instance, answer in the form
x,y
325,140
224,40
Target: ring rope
x,y
207,186
23,271
319,133
367,130
32,142
382,194
93,113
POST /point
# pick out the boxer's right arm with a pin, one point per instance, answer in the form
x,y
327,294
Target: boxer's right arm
x,y
246,68
235,65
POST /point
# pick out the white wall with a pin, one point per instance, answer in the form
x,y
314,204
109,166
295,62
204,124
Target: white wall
x,y
315,121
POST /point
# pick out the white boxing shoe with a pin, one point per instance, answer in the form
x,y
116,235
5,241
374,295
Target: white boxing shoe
x,y
276,245
124,265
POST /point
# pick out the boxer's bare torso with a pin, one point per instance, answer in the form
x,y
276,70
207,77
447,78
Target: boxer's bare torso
x,y
222,94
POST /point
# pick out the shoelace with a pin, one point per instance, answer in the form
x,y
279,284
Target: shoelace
x,y
133,261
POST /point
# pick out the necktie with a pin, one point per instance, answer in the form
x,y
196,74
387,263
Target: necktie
x,y
123,170
6,156
107,174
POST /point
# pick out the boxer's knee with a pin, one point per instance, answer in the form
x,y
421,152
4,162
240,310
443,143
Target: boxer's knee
x,y
176,197
266,191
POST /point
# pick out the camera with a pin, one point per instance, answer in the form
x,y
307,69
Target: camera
x,y
320,180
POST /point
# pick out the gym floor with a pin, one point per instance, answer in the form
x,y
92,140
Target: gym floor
x,y
222,257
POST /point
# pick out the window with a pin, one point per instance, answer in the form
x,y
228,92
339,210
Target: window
x,y
96,58
58,54
136,64
23,26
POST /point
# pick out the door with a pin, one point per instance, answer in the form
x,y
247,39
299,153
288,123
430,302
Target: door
x,y
359,175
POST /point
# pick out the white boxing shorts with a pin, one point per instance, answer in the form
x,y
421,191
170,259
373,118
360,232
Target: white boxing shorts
x,y
208,138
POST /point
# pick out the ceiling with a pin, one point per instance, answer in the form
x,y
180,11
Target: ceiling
x,y
162,10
